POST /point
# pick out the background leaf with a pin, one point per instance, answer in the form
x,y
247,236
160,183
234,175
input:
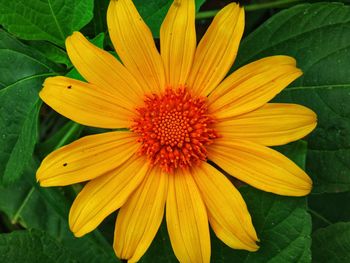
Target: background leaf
x,y
51,51
22,72
51,20
318,36
47,209
160,248
332,244
99,23
32,246
329,208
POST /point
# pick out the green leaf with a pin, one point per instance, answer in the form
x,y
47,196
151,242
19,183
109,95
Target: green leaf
x,y
62,137
329,208
22,72
51,51
51,20
99,23
160,248
32,246
47,209
153,12
24,145
317,35
332,244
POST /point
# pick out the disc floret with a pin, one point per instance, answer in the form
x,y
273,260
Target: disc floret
x,y
174,129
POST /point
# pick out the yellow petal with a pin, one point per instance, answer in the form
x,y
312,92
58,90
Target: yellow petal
x,y
178,41
104,195
86,158
261,167
140,217
253,85
217,50
273,124
102,69
85,103
187,219
134,44
227,211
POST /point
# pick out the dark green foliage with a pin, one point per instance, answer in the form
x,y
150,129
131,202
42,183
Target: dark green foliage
x,y
51,20
332,244
32,48
32,246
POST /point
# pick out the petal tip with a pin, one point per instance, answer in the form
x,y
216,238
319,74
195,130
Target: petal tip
x,y
69,38
299,72
304,189
72,221
255,247
38,179
44,183
77,233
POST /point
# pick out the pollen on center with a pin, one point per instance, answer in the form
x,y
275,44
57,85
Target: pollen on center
x,y
174,129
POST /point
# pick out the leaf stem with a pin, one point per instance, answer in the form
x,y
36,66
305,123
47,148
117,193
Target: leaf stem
x,y
24,203
249,8
74,128
319,216
274,4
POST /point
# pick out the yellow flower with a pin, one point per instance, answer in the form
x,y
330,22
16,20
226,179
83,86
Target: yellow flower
x,y
180,112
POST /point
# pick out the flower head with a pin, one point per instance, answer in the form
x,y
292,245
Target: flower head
x,y
180,113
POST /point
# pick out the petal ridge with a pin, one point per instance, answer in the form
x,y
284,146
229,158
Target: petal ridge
x,y
217,50
85,103
101,68
133,41
187,219
86,158
271,125
260,166
178,41
105,194
227,211
140,217
252,86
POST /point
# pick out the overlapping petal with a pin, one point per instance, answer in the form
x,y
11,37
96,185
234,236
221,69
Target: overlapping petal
x,y
252,86
86,158
187,219
134,44
140,217
102,69
217,50
273,124
227,211
86,103
178,41
104,195
260,166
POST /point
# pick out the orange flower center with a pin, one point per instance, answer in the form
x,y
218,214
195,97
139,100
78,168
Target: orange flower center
x,y
174,129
